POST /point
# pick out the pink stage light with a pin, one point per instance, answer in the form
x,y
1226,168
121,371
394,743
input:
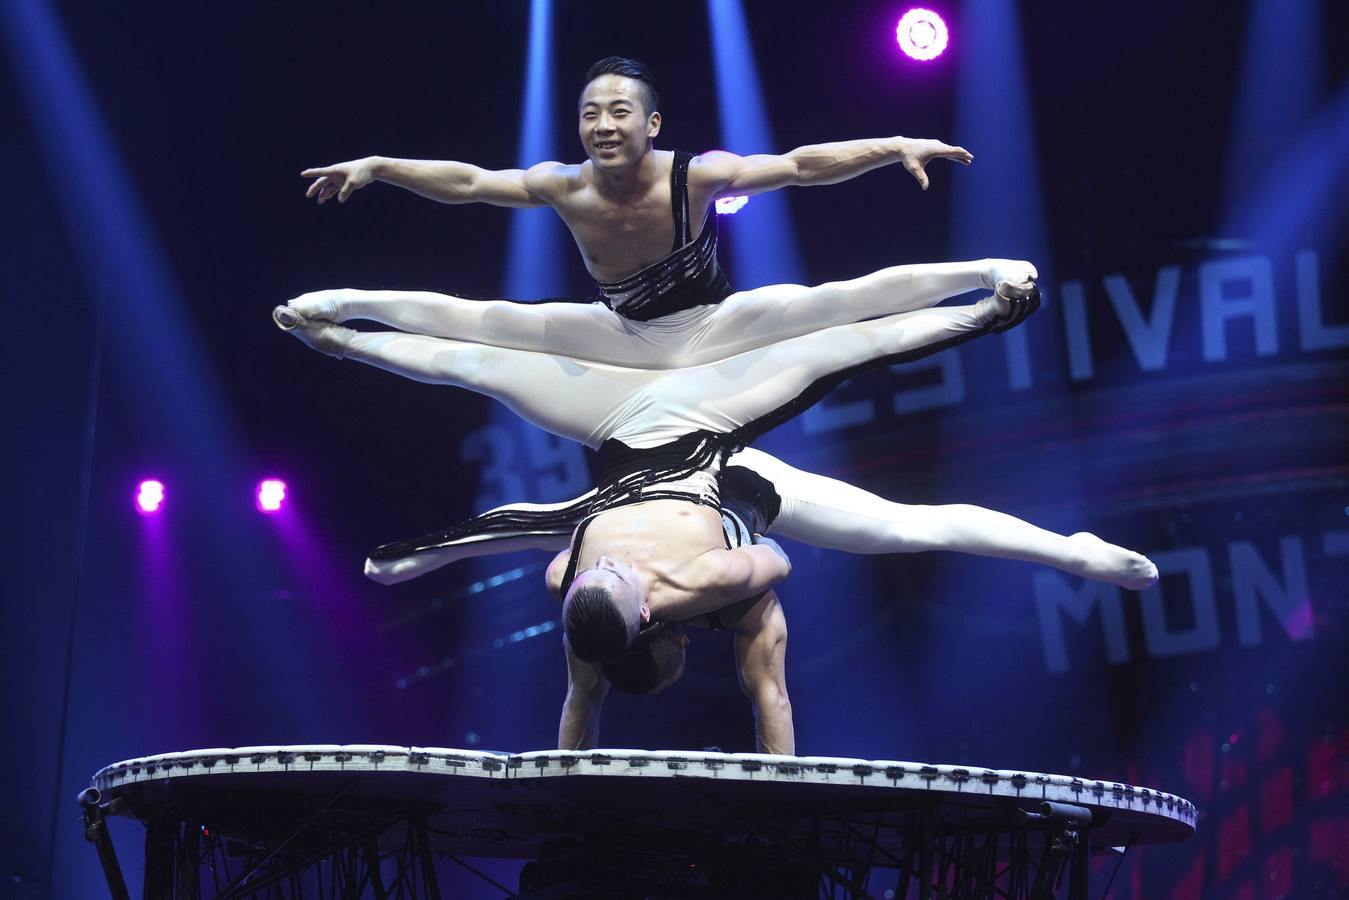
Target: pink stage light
x,y
149,497
729,205
922,34
271,495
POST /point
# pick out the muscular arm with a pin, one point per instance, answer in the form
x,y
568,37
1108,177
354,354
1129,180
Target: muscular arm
x,y
760,658
723,577
552,576
443,181
726,173
586,690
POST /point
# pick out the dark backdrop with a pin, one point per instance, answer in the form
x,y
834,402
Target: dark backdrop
x,y
151,229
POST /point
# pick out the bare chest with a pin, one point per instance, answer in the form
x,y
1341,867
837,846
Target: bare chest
x,y
619,239
657,538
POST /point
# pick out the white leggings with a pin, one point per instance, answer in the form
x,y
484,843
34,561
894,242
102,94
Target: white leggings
x,y
832,514
742,359
744,321
592,402
835,515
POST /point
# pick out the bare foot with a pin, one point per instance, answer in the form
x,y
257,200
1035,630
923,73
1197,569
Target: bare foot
x,y
396,571
1104,561
993,309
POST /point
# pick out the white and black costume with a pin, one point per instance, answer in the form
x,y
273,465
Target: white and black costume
x,y
690,276
739,397
655,430
750,360
771,497
664,433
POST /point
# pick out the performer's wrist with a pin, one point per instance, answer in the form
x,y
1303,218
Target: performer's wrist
x,y
895,146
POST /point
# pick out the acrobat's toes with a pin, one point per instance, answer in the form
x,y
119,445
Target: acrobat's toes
x,y
1021,303
1104,561
1001,272
321,306
1142,576
1015,290
286,318
322,336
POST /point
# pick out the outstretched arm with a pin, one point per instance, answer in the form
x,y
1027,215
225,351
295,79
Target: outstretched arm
x,y
586,690
760,658
443,181
726,173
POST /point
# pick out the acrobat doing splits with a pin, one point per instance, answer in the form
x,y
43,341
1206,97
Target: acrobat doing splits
x,y
624,206
670,374
643,220
651,546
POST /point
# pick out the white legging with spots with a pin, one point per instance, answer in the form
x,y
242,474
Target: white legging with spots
x,y
829,513
746,320
592,402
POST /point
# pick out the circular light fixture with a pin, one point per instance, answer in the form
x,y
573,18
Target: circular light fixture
x,y
149,497
271,495
922,34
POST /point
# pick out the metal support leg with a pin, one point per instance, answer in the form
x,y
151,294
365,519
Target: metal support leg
x,y
159,859
96,833
372,863
925,863
189,863
1081,867
427,864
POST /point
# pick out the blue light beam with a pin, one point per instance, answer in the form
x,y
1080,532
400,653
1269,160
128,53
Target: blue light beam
x,y
1281,83
763,249
997,208
535,255
124,264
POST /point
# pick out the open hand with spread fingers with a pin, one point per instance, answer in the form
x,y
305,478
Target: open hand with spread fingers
x,y
915,154
339,180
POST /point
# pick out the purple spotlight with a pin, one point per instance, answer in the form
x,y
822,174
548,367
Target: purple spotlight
x,y
149,497
921,34
271,495
729,205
